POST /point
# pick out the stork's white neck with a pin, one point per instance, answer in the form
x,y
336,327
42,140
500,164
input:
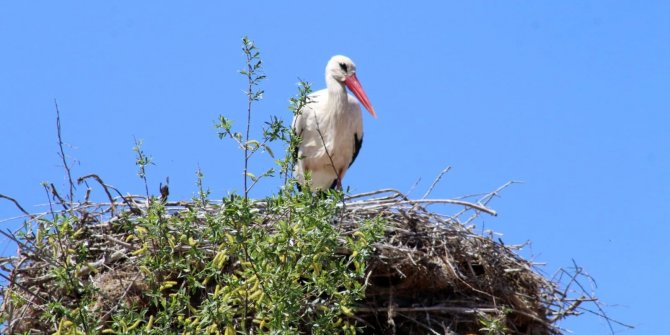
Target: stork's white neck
x,y
337,94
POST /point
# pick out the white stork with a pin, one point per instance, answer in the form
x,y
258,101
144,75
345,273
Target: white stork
x,y
331,127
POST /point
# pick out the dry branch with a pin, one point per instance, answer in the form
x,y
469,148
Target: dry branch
x,y
16,203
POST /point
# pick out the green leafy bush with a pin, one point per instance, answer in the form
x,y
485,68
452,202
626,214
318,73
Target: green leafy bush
x,y
237,266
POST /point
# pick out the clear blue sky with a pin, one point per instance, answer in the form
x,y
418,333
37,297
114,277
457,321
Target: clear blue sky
x,y
570,97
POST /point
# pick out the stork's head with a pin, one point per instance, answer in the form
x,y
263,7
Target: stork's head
x,y
343,70
340,67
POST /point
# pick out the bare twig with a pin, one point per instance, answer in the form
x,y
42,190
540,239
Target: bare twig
x,y
16,203
413,187
381,191
127,200
443,309
579,270
485,200
105,188
437,180
469,205
51,207
23,288
56,196
62,153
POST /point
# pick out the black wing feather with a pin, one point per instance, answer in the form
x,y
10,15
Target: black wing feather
x,y
358,143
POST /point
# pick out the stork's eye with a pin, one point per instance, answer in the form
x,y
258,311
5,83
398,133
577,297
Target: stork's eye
x,y
343,67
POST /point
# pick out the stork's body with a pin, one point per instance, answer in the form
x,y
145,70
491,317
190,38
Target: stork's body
x,y
331,127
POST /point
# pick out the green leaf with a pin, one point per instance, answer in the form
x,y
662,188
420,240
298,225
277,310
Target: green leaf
x,y
268,150
252,145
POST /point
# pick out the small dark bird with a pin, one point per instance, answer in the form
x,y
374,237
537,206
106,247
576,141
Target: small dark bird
x,y
165,190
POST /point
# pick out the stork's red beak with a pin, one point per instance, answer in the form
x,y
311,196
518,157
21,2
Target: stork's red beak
x,y
355,86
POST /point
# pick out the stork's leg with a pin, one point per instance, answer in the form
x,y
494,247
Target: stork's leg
x,y
340,176
336,185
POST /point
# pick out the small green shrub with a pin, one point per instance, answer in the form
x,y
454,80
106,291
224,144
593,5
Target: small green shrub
x,y
280,265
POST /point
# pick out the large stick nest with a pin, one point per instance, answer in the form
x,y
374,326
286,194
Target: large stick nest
x,y
430,274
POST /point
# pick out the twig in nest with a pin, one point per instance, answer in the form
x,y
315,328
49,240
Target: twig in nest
x,y
437,180
413,187
104,187
23,288
485,200
470,205
16,203
57,196
381,191
62,152
87,197
580,271
421,324
443,309
51,206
